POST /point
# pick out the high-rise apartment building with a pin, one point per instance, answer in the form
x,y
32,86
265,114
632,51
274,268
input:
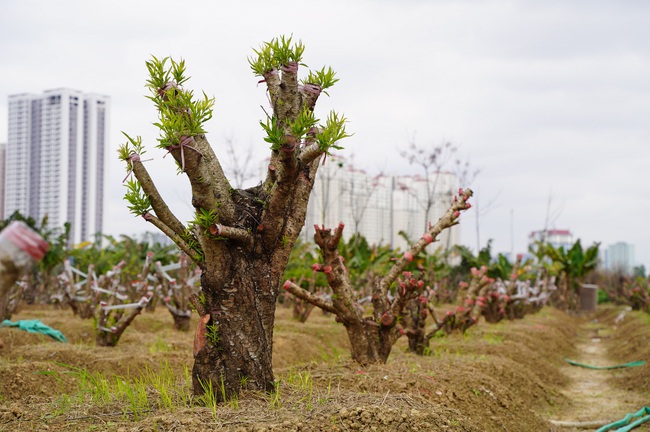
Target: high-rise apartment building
x,y
379,207
3,157
620,257
56,157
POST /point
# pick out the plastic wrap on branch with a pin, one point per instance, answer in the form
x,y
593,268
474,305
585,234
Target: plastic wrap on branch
x,y
20,248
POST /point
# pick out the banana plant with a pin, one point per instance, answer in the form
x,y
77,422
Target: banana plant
x,y
571,266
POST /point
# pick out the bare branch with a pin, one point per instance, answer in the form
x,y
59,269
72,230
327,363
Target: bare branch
x,y
176,238
157,203
210,187
237,234
448,220
305,295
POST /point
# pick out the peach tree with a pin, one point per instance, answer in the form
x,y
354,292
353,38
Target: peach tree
x,y
372,335
240,238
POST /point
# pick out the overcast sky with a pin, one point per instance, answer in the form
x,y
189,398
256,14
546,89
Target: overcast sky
x,y
550,99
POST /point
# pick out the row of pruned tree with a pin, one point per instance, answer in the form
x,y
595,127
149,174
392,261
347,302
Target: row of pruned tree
x,y
114,298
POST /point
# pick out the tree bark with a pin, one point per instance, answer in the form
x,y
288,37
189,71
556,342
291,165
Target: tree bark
x,y
234,337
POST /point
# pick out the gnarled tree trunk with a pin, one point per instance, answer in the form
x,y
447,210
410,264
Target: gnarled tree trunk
x,y
241,239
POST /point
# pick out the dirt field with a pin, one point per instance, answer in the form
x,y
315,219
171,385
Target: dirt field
x,y
505,377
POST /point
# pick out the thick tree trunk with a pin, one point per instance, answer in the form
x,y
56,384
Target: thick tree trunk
x,y
111,338
181,322
370,343
234,337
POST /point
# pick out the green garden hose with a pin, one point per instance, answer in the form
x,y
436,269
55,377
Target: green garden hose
x,y
644,413
631,364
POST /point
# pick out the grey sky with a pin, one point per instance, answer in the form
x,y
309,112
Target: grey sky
x,y
548,98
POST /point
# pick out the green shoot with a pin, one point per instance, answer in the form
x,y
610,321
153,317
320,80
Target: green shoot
x,y
303,123
323,78
272,55
274,133
205,218
139,202
180,114
332,132
134,146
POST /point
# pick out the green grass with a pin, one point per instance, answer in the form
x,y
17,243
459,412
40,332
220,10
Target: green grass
x,y
493,338
151,388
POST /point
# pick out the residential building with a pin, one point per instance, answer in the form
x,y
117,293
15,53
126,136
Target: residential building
x,y
620,257
380,207
56,159
554,237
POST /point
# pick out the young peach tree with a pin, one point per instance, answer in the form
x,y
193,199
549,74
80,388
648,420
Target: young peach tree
x,y
240,239
372,336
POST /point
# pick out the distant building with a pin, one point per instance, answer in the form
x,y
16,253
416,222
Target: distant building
x,y
554,237
3,157
620,257
56,159
379,207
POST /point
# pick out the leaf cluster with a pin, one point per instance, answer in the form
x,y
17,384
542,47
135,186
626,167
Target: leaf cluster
x,y
576,261
205,218
139,203
132,146
274,54
324,78
180,113
332,132
274,133
303,123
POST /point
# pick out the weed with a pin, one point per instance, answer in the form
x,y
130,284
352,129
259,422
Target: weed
x,y
163,382
493,339
323,400
327,356
159,346
136,395
61,406
275,396
233,402
185,397
213,334
209,398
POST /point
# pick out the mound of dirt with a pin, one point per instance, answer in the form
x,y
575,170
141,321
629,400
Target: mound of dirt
x,y
505,377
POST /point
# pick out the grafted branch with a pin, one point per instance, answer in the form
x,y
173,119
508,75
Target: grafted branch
x,y
210,187
309,297
158,204
449,219
238,234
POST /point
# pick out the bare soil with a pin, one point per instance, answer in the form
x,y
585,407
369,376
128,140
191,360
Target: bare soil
x,y
505,377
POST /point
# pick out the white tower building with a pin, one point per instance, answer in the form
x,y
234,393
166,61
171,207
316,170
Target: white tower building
x,y
379,207
56,156
620,257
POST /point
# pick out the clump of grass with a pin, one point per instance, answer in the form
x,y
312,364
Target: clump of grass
x,y
159,346
493,339
135,394
209,397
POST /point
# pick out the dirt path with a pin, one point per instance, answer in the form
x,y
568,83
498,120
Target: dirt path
x,y
595,401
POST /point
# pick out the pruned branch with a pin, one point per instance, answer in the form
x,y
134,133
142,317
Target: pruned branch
x,y
449,219
237,234
210,187
305,295
176,238
158,204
